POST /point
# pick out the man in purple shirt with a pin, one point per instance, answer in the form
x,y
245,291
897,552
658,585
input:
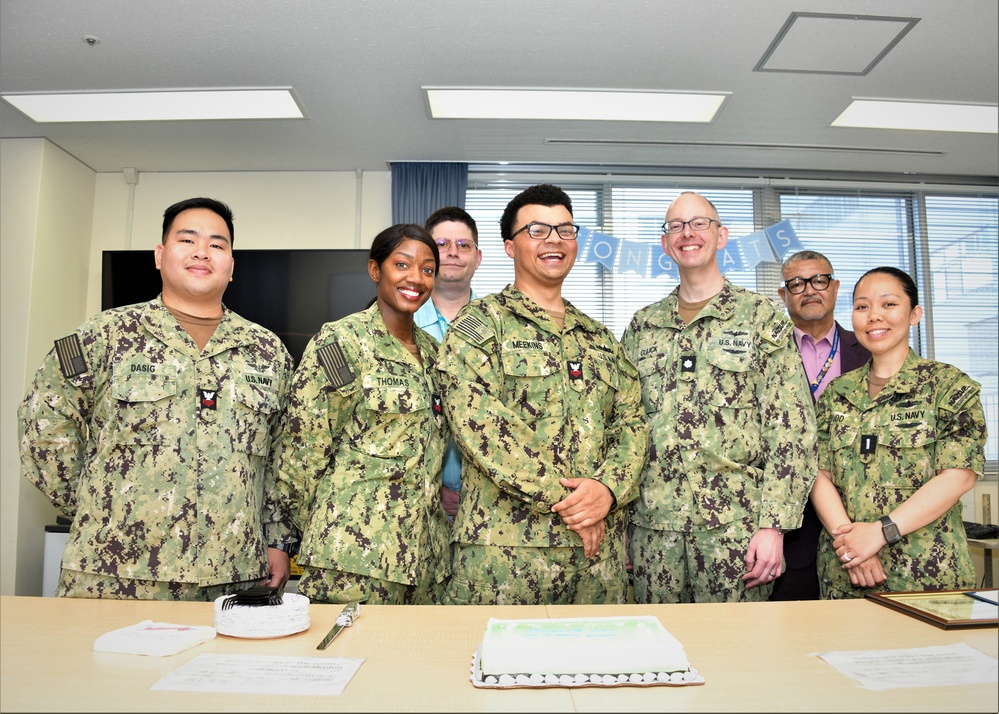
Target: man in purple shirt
x,y
827,350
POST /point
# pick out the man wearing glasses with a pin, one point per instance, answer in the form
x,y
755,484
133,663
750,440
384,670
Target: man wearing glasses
x,y
457,237
732,450
827,350
547,412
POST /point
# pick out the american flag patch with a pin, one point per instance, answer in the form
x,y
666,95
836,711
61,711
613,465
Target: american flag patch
x,y
70,354
335,365
473,328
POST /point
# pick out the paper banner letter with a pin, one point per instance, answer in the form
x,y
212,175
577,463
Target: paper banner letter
x,y
783,238
662,264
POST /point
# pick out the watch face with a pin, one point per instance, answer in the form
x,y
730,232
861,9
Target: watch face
x,y
891,532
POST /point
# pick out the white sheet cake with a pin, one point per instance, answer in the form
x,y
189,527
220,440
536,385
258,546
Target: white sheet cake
x,y
581,651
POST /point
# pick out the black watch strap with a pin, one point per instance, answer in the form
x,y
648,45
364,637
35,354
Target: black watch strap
x,y
890,530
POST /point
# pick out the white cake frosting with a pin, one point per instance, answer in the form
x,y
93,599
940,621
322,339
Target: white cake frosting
x,y
261,621
637,649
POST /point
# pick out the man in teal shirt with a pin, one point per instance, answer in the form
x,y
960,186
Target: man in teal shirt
x,y
457,237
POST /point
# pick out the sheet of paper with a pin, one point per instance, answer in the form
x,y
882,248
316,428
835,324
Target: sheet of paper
x,y
920,667
262,674
155,639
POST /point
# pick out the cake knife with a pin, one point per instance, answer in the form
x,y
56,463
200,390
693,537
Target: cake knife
x,y
345,619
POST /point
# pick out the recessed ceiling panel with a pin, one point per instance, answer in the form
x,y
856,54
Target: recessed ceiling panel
x,y
820,43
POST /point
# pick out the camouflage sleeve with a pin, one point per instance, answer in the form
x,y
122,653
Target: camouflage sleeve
x,y
627,437
322,400
53,420
497,441
277,520
961,426
823,409
787,428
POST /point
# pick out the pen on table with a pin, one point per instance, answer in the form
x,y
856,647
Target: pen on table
x,y
983,598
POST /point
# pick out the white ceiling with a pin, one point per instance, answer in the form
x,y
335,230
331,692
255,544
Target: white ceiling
x,y
357,68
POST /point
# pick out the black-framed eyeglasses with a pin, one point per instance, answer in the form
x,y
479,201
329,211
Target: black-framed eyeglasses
x,y
697,223
540,231
461,245
796,286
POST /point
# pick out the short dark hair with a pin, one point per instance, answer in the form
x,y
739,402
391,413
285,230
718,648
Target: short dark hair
x,y
908,284
805,255
390,238
452,213
543,194
223,211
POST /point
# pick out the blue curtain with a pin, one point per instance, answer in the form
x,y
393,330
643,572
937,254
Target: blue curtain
x,y
420,188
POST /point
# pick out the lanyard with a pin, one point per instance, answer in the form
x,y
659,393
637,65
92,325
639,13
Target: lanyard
x,y
814,384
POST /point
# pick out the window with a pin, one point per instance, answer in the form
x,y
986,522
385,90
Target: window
x,y
948,242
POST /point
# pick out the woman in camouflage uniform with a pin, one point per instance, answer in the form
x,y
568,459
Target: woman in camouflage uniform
x,y
364,441
901,439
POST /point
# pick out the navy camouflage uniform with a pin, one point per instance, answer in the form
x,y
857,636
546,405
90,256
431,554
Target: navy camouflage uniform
x,y
360,465
732,446
530,403
159,452
927,417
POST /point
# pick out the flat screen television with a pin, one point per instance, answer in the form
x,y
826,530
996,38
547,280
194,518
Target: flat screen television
x,y
290,292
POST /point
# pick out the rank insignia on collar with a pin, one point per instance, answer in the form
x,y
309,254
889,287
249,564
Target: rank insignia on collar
x,y
208,398
688,363
438,407
575,369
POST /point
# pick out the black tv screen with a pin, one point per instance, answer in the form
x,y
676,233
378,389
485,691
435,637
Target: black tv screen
x,y
290,292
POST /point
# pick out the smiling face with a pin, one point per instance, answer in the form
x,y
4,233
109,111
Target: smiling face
x,y
541,264
694,250
405,278
195,261
811,305
883,315
456,267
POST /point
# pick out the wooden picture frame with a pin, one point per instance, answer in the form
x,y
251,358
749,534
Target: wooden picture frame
x,y
944,608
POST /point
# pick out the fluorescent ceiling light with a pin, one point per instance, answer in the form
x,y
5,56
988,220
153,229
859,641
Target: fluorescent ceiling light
x,y
927,116
168,105
583,104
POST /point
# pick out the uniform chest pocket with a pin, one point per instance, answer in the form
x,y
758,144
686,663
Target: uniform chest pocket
x,y
729,381
147,409
909,443
399,420
253,413
532,383
528,364
654,383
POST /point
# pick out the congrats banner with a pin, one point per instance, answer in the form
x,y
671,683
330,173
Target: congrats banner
x,y
649,260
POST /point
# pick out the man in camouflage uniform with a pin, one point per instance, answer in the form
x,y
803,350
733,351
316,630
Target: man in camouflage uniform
x,y
547,412
151,426
732,449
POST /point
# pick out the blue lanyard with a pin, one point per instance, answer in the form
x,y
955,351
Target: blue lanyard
x,y
814,384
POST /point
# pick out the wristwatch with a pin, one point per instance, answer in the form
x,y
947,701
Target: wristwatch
x,y
290,548
890,530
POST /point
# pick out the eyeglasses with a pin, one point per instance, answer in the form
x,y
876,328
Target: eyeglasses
x,y
697,223
796,286
461,245
540,231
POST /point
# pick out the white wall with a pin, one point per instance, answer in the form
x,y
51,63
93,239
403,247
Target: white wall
x,y
47,208
56,218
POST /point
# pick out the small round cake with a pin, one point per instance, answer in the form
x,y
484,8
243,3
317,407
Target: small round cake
x,y
262,621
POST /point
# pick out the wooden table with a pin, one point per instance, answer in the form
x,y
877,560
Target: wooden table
x,y
754,657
